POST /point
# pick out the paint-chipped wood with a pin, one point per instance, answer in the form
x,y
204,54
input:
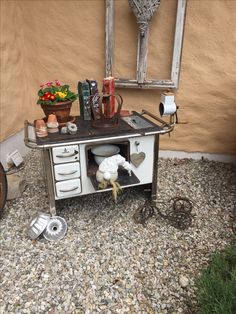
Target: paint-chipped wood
x,y
141,81
109,36
178,41
148,84
142,55
143,10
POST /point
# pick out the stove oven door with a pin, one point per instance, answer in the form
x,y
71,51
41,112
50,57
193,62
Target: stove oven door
x,y
142,157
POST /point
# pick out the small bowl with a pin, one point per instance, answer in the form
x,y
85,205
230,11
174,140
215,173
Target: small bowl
x,y
103,151
37,225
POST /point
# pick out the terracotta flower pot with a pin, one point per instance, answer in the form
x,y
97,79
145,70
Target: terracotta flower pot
x,y
41,128
60,109
40,124
52,119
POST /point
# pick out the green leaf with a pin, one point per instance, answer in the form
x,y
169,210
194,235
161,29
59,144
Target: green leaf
x,y
40,93
47,89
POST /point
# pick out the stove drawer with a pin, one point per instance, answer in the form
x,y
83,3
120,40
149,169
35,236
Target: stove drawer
x,y
68,188
67,171
65,154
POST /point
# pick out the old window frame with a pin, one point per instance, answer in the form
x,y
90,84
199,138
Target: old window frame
x,y
173,82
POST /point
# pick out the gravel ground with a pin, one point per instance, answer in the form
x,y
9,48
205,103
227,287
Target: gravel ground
x,y
107,263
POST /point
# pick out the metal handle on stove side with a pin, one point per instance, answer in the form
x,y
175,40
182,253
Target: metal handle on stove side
x,y
28,141
67,173
69,190
168,127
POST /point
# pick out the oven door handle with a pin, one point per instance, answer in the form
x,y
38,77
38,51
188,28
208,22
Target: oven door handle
x,y
67,173
69,190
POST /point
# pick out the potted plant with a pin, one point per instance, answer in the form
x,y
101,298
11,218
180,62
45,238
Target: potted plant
x,y
56,98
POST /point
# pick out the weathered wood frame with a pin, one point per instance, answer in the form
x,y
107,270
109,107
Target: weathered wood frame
x,y
173,82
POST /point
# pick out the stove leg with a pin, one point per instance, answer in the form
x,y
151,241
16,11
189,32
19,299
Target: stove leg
x,y
49,181
155,168
43,167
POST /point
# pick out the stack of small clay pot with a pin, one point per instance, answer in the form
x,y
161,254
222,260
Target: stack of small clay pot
x,y
42,129
52,124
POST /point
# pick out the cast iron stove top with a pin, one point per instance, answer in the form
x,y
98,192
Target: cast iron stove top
x,y
135,123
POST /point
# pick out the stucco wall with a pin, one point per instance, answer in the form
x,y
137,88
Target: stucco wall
x,y
47,40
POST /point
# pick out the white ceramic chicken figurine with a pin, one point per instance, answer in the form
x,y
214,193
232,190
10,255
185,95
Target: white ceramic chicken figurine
x,y
107,172
108,168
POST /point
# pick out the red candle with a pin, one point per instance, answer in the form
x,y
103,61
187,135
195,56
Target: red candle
x,y
109,89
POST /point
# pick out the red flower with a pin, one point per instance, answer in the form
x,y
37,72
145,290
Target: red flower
x,y
57,83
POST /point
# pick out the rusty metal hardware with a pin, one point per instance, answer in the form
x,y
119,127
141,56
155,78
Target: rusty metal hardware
x,y
179,216
177,119
101,120
167,127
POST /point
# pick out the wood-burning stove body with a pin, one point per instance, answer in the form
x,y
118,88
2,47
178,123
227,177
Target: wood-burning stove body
x,y
69,165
